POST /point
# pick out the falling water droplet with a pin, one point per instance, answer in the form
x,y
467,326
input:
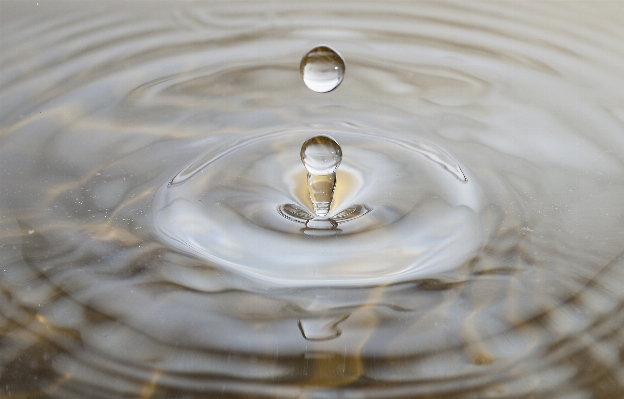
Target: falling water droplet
x,y
322,69
321,156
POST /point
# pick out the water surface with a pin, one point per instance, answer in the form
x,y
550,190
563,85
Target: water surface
x,y
145,151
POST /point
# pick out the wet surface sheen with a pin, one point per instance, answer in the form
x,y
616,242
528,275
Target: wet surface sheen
x,y
146,153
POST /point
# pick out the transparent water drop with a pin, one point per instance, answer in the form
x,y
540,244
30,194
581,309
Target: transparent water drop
x,y
321,155
322,69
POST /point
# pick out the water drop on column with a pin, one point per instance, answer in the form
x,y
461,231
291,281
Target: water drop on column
x,y
322,69
321,156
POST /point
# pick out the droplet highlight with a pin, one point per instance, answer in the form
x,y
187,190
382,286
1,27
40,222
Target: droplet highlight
x,y
322,69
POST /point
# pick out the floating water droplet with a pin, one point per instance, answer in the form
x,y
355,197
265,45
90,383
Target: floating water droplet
x,y
322,69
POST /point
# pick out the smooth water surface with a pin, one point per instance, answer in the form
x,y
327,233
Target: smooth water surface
x,y
155,230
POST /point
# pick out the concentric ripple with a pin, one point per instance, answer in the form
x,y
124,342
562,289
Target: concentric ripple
x,y
146,152
222,207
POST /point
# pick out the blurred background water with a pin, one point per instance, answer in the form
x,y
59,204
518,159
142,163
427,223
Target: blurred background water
x,y
145,149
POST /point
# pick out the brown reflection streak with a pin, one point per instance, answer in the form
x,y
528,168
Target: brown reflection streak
x,y
324,369
149,388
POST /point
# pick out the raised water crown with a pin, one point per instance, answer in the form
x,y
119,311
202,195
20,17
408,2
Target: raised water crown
x,y
321,155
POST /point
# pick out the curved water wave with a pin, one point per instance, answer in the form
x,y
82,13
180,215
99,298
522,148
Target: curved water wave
x,y
222,207
115,120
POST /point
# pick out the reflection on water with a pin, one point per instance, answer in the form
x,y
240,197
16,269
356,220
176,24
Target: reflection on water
x,y
144,151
